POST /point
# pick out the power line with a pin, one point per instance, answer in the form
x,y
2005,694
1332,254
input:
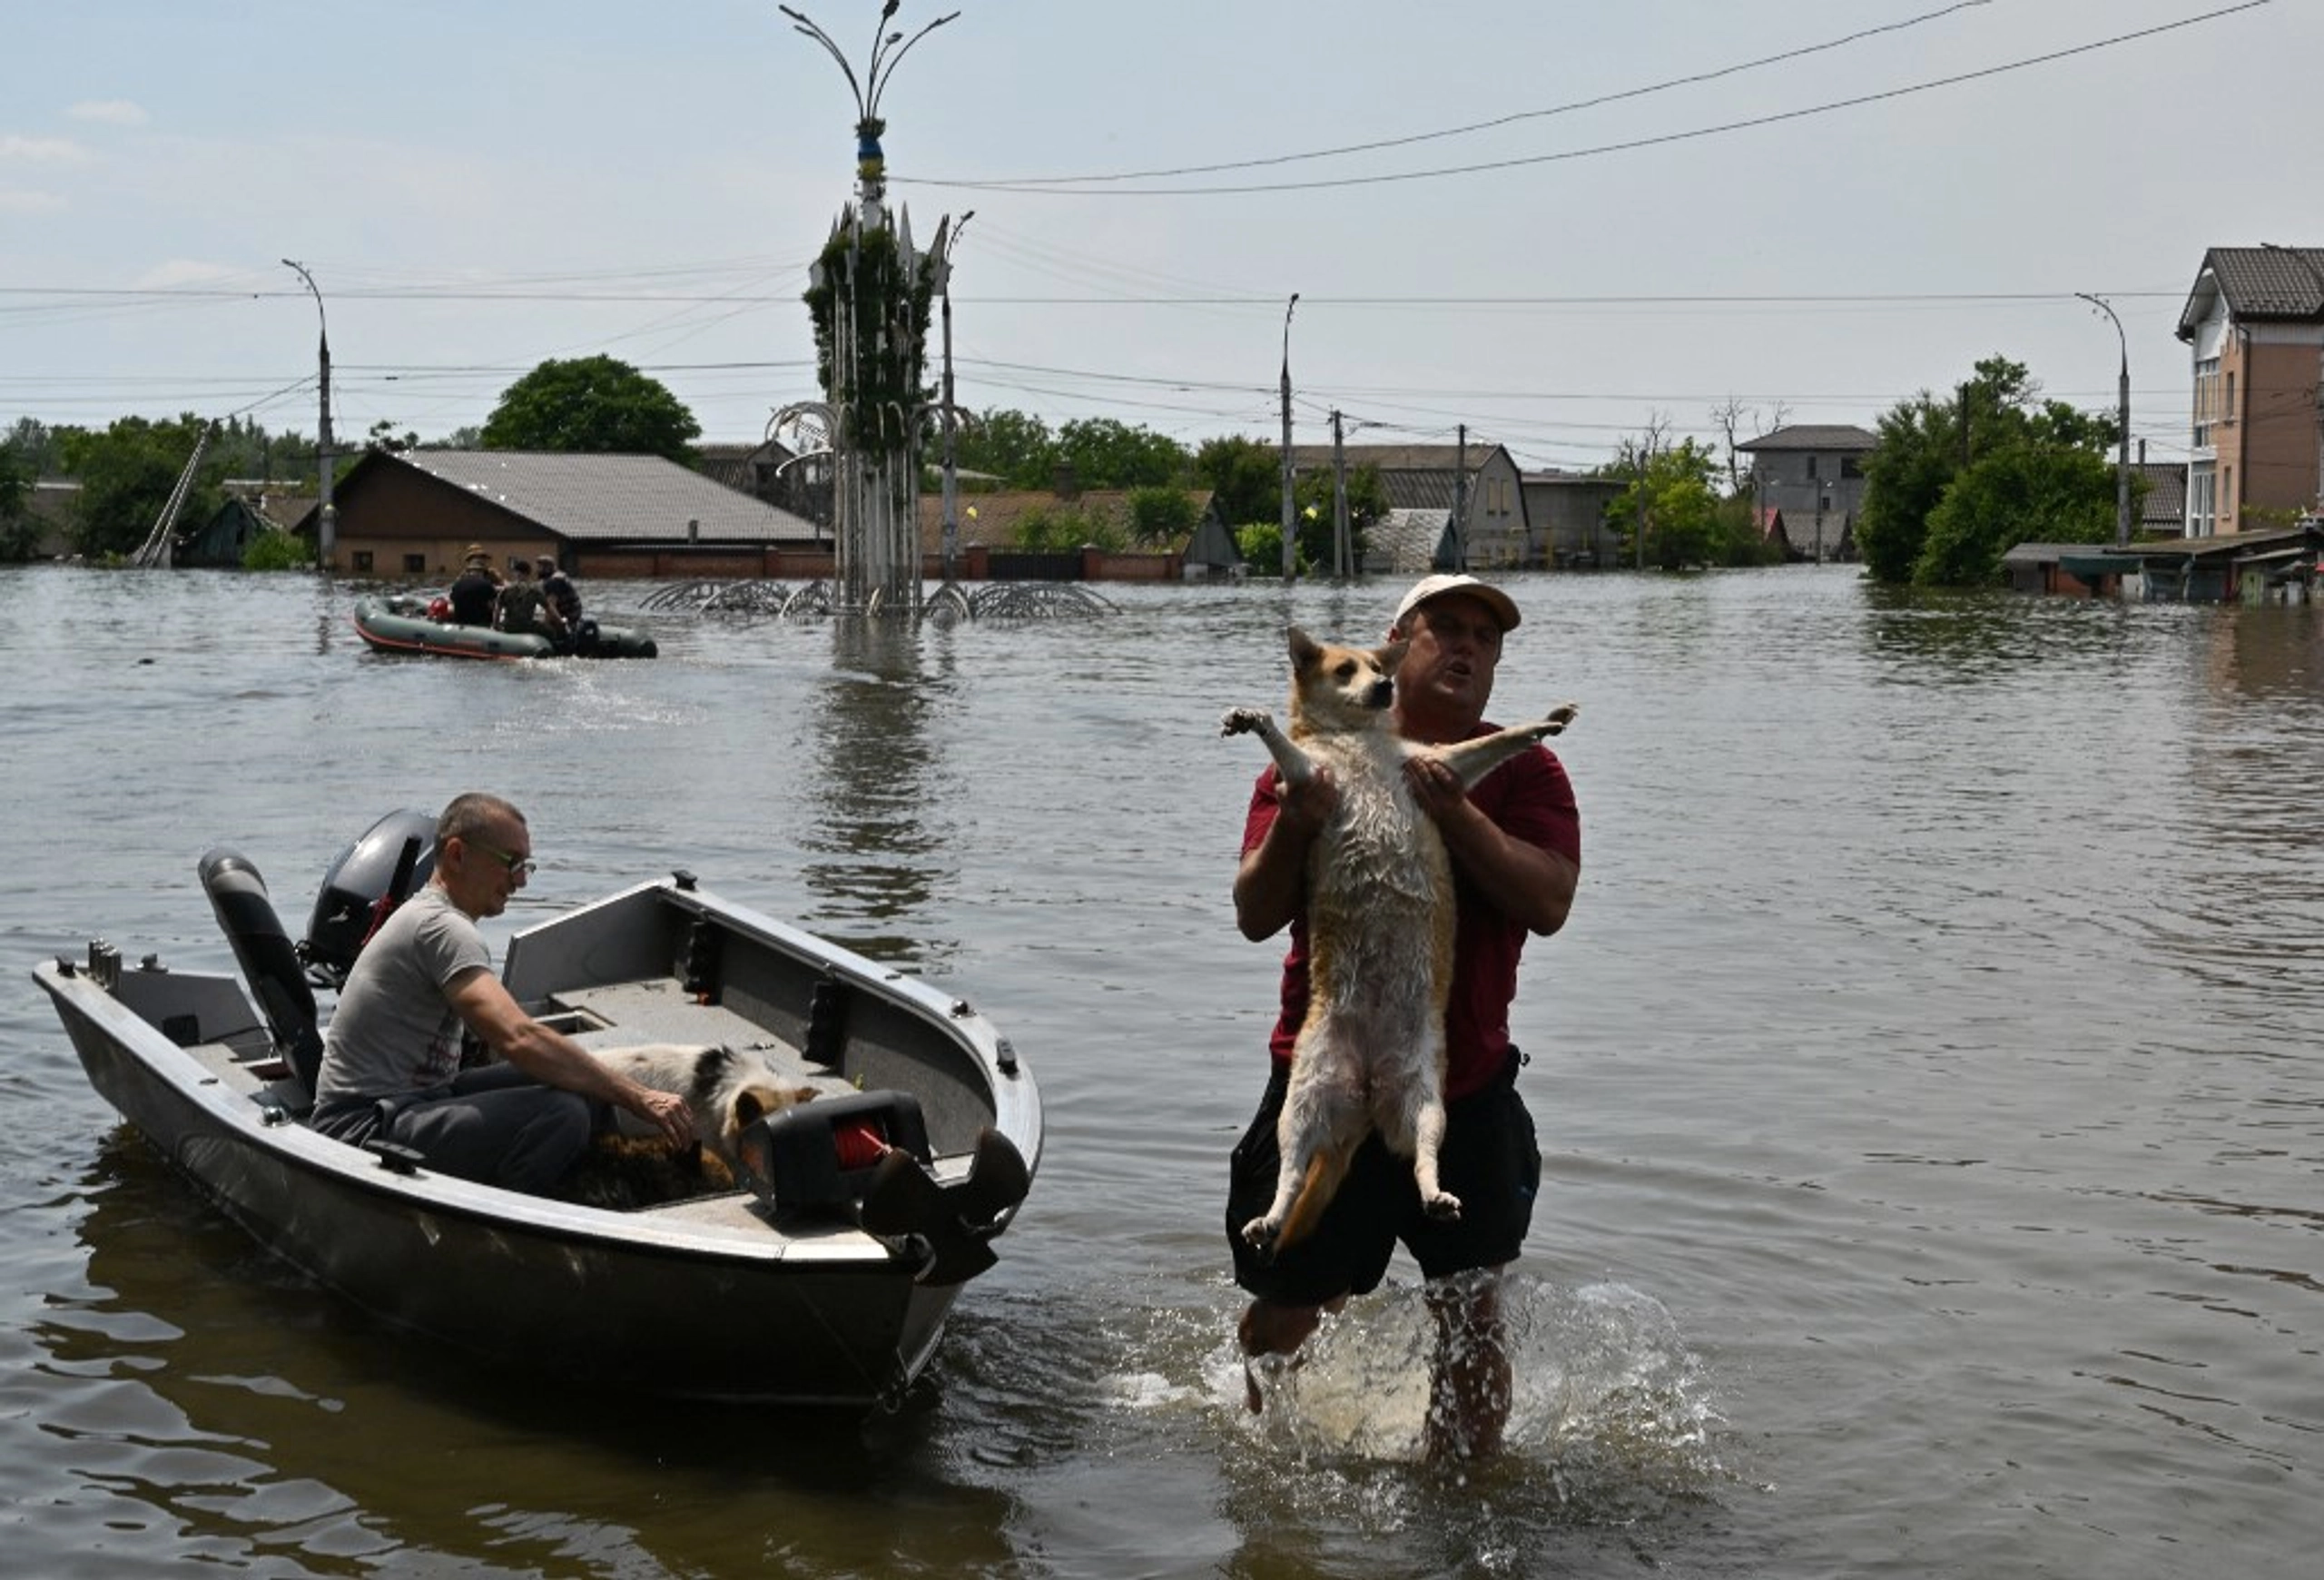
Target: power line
x,y
1040,186
1501,121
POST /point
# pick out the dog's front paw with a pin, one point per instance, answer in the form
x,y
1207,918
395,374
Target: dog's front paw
x,y
1260,1233
1559,716
1443,1206
1243,721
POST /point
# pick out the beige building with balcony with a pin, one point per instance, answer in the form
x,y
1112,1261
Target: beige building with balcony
x,y
2255,323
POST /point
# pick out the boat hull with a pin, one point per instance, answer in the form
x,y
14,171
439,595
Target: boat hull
x,y
392,626
718,1297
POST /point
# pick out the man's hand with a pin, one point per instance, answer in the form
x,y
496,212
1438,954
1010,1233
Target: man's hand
x,y
1308,805
1435,786
666,1111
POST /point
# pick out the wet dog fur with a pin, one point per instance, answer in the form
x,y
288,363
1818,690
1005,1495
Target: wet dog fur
x,y
725,1089
1380,928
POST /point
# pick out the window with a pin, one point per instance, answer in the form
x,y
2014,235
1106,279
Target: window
x,y
2202,496
1850,467
2227,405
415,564
364,561
1811,468
2206,402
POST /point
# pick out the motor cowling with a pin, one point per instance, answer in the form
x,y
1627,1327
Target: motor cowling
x,y
365,882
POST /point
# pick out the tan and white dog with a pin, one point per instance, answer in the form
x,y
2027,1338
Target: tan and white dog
x,y
725,1089
1380,924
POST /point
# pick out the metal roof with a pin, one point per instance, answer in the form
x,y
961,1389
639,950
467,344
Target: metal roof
x,y
611,497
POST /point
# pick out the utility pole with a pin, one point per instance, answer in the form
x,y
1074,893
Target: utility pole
x,y
945,243
326,514
1343,550
1461,500
2122,416
1645,464
1290,533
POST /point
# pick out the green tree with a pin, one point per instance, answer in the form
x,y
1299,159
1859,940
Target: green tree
x,y
1008,444
1928,447
592,406
1245,480
19,531
1667,495
1261,544
35,446
2035,491
276,550
127,474
1061,529
1312,504
1160,516
1106,454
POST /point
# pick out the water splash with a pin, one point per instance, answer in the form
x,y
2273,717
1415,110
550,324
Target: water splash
x,y
1609,1407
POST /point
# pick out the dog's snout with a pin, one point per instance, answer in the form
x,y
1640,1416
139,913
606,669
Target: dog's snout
x,y
1382,693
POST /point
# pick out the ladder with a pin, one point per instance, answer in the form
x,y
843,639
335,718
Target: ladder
x,y
157,548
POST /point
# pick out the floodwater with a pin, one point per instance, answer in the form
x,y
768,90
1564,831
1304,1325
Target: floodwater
x,y
1927,1082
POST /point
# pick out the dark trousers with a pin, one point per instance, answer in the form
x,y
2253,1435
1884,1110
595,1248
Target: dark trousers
x,y
495,1125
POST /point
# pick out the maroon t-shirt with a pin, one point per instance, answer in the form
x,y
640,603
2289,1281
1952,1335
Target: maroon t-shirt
x,y
1529,798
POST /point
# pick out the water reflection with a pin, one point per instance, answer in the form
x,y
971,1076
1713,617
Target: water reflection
x,y
1932,636
213,1404
882,810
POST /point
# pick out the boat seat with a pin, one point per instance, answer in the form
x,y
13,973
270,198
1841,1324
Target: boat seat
x,y
269,963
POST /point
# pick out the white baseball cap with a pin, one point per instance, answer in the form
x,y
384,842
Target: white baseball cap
x,y
1503,607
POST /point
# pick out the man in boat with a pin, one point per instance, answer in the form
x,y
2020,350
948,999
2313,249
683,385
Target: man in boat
x,y
475,593
523,609
1515,841
391,1054
565,598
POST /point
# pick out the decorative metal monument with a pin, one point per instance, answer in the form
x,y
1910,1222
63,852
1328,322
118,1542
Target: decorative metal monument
x,y
871,292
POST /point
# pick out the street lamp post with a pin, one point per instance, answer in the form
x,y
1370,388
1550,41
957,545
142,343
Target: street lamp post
x,y
1290,537
951,476
326,515
2122,416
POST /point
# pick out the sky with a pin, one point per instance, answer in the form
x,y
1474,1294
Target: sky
x,y
1562,226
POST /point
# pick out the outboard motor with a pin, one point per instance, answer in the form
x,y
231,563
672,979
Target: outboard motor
x,y
366,883
237,894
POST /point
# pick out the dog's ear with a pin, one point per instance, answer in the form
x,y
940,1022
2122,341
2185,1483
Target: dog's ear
x,y
1304,653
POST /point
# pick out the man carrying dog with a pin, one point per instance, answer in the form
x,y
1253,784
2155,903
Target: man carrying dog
x,y
1515,843
391,1054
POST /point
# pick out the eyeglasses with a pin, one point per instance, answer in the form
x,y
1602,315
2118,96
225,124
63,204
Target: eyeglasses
x,y
519,866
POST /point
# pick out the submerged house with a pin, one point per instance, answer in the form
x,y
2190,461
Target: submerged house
x,y
410,516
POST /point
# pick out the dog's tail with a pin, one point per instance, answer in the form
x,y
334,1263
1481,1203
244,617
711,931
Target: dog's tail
x,y
1325,1169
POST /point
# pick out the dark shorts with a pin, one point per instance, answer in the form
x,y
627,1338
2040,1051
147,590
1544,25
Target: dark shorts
x,y
1490,1159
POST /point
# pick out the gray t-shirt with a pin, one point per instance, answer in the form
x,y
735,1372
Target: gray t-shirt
x,y
395,1030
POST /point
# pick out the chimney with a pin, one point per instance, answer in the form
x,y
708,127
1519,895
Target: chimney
x,y
1063,483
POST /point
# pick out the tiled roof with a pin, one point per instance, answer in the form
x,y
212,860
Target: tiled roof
x,y
2258,283
2166,492
1827,436
1388,457
1404,542
611,497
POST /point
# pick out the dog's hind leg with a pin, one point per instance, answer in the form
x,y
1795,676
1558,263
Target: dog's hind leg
x,y
1428,1140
